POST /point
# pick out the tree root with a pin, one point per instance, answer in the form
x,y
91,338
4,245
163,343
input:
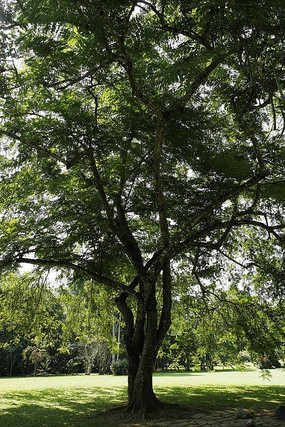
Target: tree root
x,y
129,413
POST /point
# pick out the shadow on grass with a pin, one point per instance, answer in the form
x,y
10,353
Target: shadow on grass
x,y
82,407
210,398
62,407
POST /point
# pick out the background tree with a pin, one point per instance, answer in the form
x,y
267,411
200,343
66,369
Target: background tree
x,y
227,324
52,328
89,319
31,324
37,355
135,135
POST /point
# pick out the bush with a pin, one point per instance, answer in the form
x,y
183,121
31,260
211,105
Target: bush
x,y
120,367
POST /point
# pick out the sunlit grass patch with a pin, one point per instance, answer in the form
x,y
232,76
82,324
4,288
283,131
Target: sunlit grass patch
x,y
77,400
57,407
61,381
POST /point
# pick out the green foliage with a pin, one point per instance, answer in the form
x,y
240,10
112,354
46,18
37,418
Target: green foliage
x,y
224,327
120,367
140,142
36,354
72,94
56,330
89,311
28,308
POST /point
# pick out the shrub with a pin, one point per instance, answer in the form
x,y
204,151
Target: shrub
x,y
120,367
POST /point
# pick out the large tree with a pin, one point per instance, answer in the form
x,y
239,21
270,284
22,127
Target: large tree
x,y
135,135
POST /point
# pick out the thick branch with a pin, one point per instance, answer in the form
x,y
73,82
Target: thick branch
x,y
152,262
128,318
228,225
38,148
126,237
76,267
156,165
100,189
119,225
165,317
270,228
199,81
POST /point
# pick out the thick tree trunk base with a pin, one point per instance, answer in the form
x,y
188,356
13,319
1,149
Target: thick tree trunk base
x,y
133,413
148,406
161,411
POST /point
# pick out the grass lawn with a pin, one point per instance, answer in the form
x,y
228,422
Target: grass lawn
x,y
75,400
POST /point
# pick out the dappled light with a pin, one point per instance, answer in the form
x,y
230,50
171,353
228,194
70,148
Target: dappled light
x,y
211,398
67,404
55,407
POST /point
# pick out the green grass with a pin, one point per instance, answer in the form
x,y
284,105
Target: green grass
x,y
223,389
76,400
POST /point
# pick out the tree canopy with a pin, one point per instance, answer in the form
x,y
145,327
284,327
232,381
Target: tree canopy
x,y
137,136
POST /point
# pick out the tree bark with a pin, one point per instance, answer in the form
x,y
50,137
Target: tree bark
x,y
141,397
142,346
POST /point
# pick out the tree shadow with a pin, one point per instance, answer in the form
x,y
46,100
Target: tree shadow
x,y
210,398
83,407
62,407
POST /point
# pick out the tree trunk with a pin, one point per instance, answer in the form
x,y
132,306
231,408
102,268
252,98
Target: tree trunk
x,y
141,397
142,355
13,360
143,336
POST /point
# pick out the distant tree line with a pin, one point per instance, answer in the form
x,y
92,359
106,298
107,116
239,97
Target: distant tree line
x,y
63,330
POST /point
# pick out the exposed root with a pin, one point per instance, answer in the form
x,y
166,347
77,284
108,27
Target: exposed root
x,y
131,414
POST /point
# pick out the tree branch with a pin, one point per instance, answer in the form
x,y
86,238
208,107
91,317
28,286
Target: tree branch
x,y
124,59
165,317
38,148
126,237
100,188
202,78
119,224
65,263
177,244
156,167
